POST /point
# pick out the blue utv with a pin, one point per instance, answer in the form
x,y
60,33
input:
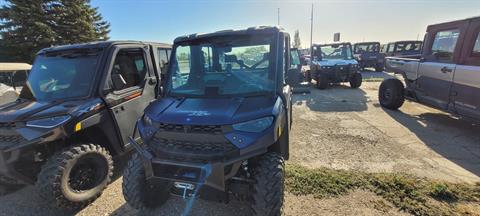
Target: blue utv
x,y
221,129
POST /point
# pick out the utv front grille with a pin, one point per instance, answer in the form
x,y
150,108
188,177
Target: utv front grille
x,y
11,139
193,147
208,129
8,125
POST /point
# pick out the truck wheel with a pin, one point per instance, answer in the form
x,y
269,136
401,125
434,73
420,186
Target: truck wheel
x,y
391,94
356,80
76,176
267,191
322,81
138,192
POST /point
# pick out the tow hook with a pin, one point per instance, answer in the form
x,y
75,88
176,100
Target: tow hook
x,y
185,187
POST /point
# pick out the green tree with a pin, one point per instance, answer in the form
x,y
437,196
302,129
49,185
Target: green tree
x,y
296,40
25,29
27,26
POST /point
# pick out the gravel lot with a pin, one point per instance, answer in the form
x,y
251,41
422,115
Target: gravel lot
x,y
340,128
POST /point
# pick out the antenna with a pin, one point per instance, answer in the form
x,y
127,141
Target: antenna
x,y
311,31
278,15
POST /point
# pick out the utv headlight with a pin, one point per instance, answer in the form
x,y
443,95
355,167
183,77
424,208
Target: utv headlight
x,y
257,125
48,122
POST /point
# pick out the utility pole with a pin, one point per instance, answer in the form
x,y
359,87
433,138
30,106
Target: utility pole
x,y
278,15
311,32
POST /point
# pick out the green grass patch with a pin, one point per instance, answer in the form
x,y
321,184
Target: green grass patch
x,y
418,196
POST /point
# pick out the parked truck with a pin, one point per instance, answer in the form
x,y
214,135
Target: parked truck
x,y
447,76
368,54
74,116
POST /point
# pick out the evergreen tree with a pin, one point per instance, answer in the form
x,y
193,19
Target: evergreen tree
x,y
25,29
30,25
296,40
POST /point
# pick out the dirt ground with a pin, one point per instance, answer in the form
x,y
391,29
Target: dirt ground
x,y
339,128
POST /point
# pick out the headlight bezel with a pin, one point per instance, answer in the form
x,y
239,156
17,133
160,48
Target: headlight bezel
x,y
49,122
254,126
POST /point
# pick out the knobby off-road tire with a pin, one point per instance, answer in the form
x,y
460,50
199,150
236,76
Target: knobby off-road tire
x,y
391,94
138,192
76,176
322,81
379,68
267,191
356,80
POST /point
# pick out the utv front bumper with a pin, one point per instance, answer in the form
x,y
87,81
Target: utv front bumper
x,y
208,169
11,162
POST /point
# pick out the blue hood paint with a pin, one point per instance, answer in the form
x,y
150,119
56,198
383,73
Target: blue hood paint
x,y
208,111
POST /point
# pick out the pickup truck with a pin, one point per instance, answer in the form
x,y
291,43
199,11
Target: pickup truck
x,y
447,76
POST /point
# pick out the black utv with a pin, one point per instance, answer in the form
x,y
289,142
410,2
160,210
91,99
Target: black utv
x,y
221,129
368,55
74,116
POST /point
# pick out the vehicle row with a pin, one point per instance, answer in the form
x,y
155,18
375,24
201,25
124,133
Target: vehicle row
x,y
208,117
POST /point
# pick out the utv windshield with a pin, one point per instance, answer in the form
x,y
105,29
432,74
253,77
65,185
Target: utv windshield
x,y
61,76
367,48
222,66
334,51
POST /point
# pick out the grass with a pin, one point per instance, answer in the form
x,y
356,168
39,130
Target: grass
x,y
418,196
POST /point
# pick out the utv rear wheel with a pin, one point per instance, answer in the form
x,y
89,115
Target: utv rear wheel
x,y
322,81
76,176
356,80
391,94
269,185
308,76
379,68
139,193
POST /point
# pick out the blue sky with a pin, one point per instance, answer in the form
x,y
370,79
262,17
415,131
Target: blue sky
x,y
369,20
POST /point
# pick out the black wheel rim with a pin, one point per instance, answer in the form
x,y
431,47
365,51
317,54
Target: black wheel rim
x,y
387,95
89,172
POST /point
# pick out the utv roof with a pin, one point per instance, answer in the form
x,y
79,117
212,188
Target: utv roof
x,y
407,41
231,32
7,67
470,19
99,44
329,44
361,43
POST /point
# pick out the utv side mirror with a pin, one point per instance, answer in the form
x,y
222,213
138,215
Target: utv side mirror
x,y
118,81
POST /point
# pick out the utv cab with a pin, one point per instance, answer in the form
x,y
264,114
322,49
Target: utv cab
x,y
334,63
74,116
368,54
221,129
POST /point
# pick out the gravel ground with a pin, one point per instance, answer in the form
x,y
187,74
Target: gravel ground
x,y
339,128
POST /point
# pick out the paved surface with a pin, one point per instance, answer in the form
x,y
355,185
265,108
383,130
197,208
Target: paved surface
x,y
340,128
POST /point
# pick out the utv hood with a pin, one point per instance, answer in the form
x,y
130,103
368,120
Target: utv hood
x,y
201,111
24,110
333,62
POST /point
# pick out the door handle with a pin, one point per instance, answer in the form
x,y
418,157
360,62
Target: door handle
x,y
446,70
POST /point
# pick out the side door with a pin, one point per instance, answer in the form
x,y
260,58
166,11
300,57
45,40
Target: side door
x,y
127,101
435,73
466,83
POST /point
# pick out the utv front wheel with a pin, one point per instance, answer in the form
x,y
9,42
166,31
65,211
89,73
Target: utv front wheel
x,y
139,193
75,177
391,94
379,68
269,185
356,80
322,81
